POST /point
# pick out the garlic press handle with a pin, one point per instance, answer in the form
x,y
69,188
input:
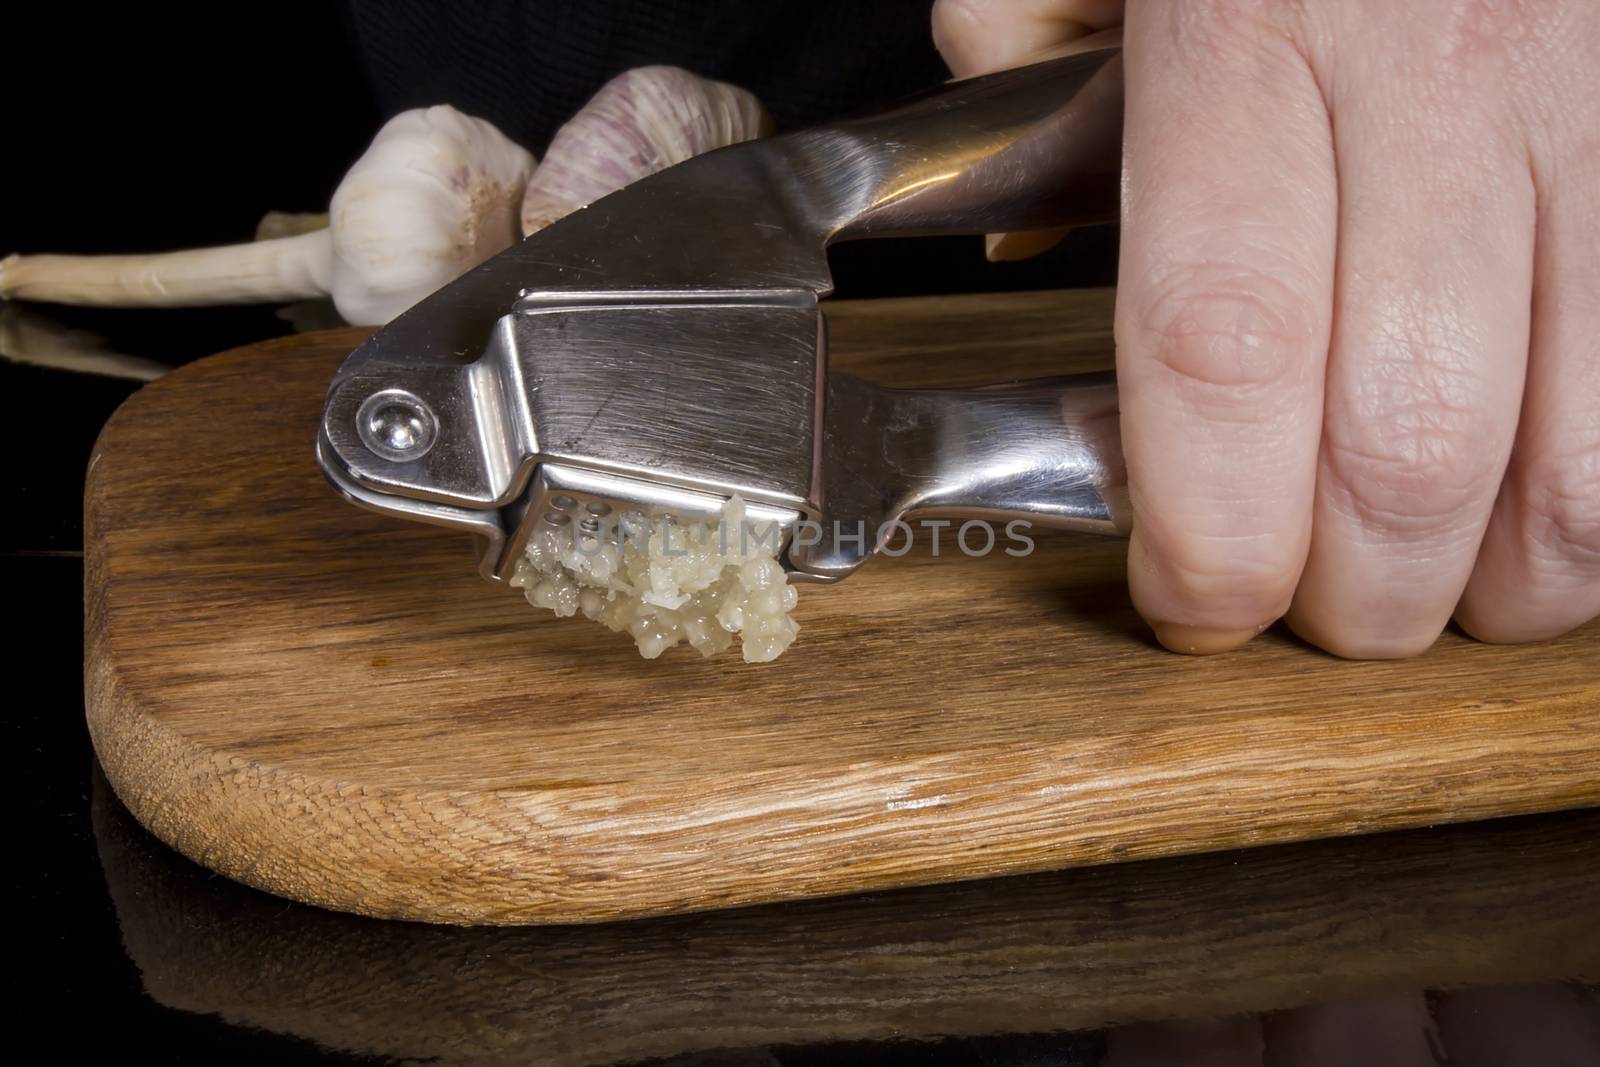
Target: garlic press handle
x,y
1038,146
1046,452
1035,147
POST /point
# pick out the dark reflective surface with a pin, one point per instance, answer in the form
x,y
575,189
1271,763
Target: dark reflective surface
x,y
1449,946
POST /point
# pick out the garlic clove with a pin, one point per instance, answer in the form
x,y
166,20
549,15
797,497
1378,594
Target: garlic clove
x,y
641,121
435,194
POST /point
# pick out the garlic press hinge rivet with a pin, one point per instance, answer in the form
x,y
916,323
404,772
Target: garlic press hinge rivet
x,y
397,426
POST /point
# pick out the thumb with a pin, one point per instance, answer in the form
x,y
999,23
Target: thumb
x,y
979,36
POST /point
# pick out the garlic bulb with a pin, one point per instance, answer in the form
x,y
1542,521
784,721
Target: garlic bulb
x,y
641,121
435,194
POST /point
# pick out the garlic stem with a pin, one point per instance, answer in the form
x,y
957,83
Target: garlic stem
x,y
274,271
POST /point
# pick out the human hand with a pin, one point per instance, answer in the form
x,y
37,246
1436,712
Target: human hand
x,y
1358,310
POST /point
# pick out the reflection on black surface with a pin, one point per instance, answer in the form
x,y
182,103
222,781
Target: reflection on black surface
x,y
30,336
1300,955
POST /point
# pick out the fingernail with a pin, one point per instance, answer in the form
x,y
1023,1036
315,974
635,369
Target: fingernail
x,y
1201,640
1021,244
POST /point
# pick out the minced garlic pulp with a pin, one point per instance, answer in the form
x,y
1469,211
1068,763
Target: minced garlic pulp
x,y
664,582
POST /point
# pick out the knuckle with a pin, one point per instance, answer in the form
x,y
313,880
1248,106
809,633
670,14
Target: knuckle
x,y
1563,499
1229,329
1248,580
1211,28
1473,34
1206,18
1424,471
1412,450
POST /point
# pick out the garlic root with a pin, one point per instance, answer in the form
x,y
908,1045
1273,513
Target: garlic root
x,y
641,121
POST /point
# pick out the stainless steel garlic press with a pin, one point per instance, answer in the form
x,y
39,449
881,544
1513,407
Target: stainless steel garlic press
x,y
663,349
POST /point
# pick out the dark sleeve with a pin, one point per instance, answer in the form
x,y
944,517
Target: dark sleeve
x,y
527,66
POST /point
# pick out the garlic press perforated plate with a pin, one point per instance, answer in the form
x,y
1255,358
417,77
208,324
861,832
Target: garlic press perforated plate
x,y
663,349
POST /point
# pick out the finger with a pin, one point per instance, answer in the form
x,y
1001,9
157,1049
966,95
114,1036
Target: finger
x,y
1538,572
1429,348
1223,313
979,36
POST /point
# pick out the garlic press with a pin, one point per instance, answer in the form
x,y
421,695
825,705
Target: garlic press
x,y
663,349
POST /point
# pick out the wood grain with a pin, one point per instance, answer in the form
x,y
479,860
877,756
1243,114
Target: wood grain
x,y
1225,934
330,705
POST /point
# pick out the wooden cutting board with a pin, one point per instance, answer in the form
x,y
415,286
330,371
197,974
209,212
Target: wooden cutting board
x,y
331,705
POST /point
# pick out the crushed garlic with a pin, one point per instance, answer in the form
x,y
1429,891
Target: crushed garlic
x,y
663,582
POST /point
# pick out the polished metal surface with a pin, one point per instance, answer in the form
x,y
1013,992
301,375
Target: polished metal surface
x,y
396,425
720,395
615,505
664,349
1045,452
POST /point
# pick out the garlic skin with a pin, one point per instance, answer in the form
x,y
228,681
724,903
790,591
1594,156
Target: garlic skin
x,y
435,195
663,583
641,121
